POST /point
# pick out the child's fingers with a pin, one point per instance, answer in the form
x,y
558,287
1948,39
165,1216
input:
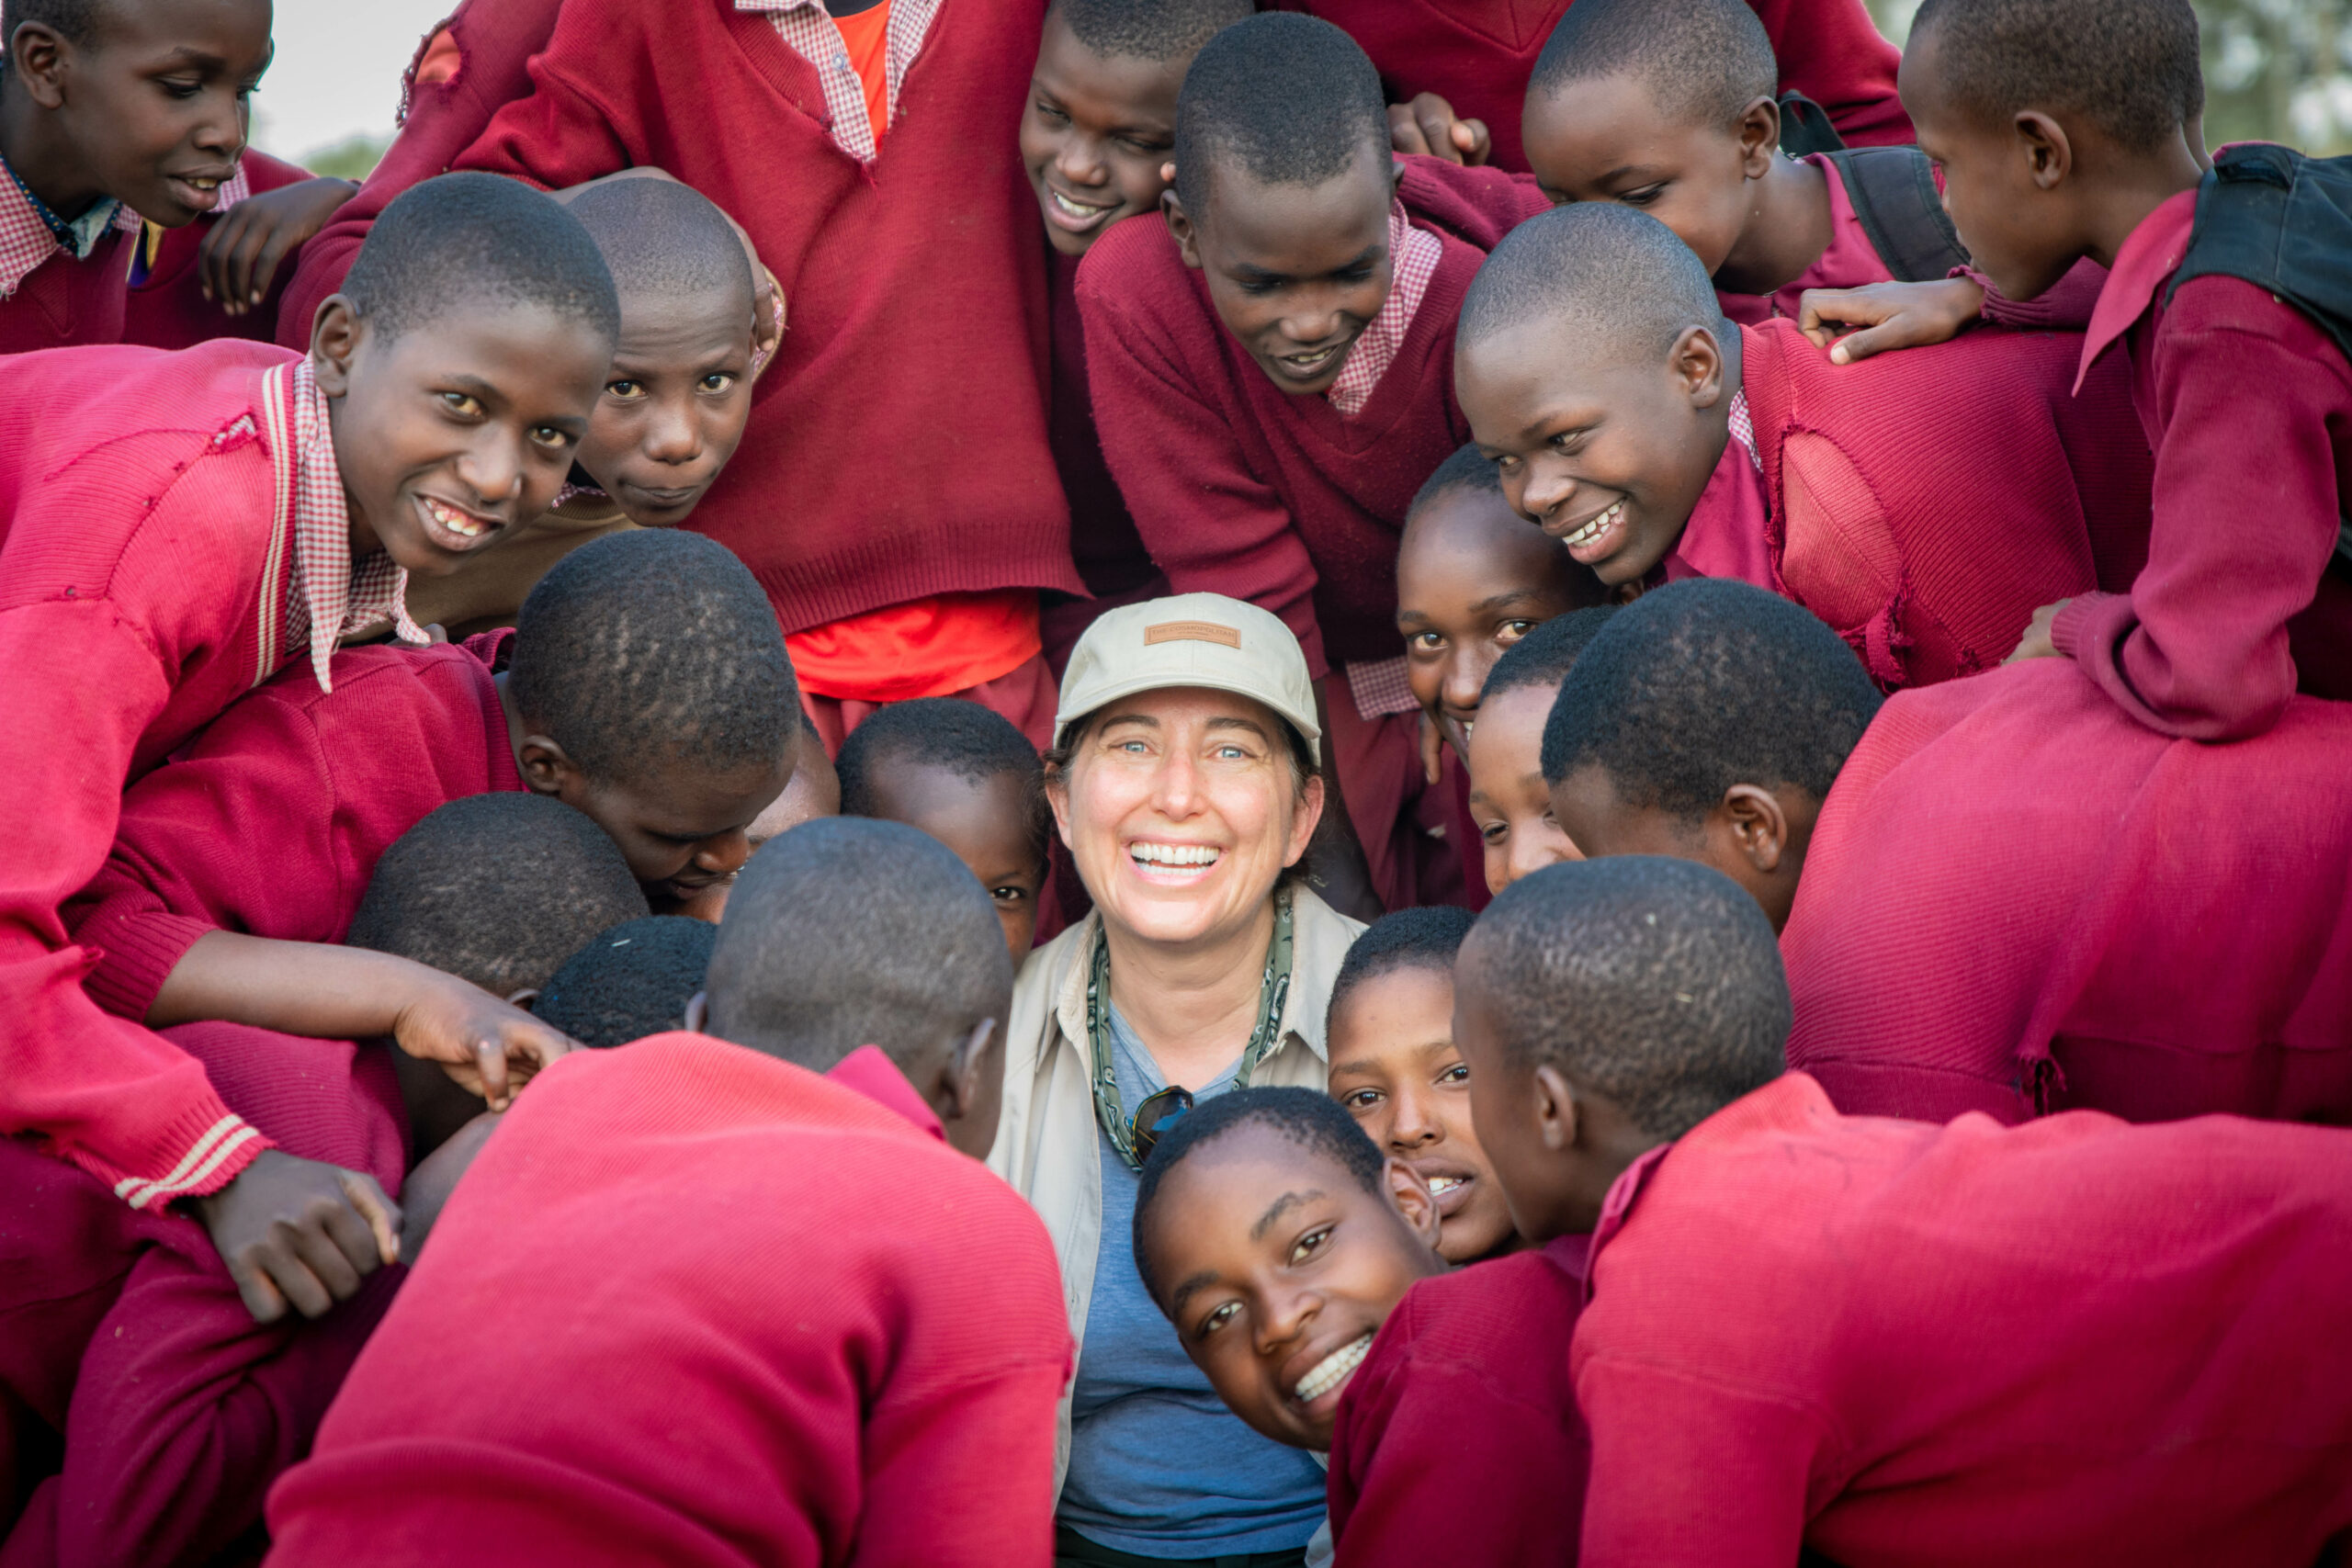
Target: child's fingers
x,y
320,1242
256,1289
490,1066
381,1215
268,257
1861,346
291,1274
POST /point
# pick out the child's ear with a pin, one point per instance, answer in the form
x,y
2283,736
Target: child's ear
x,y
1179,223
1697,362
1411,1193
1759,137
548,769
334,344
2050,155
1557,1116
1758,825
697,1012
36,58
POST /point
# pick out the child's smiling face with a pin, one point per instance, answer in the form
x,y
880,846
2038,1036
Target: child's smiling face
x,y
1095,134
1608,141
1280,1268
1518,831
1395,1068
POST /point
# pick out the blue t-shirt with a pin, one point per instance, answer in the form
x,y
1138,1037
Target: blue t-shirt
x,y
1157,1465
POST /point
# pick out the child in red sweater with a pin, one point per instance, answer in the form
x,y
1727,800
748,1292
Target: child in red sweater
x,y
1993,908
174,1408
676,398
1656,442
648,686
1881,1341
1270,375
179,527
1298,1266
2055,148
881,1390
221,276
881,601
1477,55
1390,1034
1511,805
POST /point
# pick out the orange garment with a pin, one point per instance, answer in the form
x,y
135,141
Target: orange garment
x,y
925,647
867,37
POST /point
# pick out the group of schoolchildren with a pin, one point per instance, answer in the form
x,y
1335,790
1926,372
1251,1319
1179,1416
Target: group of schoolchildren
x,y
1827,589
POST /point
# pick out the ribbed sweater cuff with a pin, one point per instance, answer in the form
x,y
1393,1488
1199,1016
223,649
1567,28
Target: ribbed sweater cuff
x,y
2078,626
202,1149
135,954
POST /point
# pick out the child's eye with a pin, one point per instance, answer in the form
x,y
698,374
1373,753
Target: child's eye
x,y
718,381
1142,144
1008,895
1355,275
1309,1244
1260,288
548,436
1220,1318
1511,631
1360,1100
1643,197
625,390
1493,832
1506,465
464,404
1427,642
180,88
1458,1073
1052,111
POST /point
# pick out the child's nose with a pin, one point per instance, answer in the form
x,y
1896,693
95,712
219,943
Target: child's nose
x,y
724,854
1080,161
1464,677
673,437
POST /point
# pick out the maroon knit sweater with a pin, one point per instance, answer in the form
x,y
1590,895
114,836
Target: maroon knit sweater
x,y
897,446
64,302
1240,487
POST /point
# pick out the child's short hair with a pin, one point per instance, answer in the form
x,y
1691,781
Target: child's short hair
x,y
664,239
1148,29
1289,99
1549,650
1707,683
75,21
1426,937
1309,1120
1654,981
2127,66
651,646
1602,268
498,889
1703,61
629,982
968,740
1466,468
469,239
850,931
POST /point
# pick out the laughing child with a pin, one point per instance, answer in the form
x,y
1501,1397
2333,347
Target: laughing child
x,y
1510,802
1394,1066
1297,1265
184,525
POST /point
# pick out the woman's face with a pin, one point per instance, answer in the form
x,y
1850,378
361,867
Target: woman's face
x,y
1182,808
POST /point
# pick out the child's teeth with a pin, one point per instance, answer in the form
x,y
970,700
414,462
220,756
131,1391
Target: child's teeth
x,y
1593,529
1071,208
1443,1184
1331,1370
455,521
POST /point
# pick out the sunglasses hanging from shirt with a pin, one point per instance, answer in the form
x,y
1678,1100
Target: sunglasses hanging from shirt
x,y
1134,1136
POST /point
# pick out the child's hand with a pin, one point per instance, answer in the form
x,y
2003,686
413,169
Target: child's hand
x,y
241,255
300,1233
436,1176
490,1047
1892,315
1428,125
2036,643
1433,749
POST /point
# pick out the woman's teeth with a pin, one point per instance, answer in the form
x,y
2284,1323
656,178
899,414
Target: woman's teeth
x,y
464,524
1174,854
1331,1370
1595,528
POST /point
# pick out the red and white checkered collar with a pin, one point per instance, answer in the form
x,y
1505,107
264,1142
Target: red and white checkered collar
x,y
26,240
328,596
1413,257
809,30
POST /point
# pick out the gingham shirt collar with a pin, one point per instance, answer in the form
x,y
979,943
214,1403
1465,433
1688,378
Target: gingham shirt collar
x,y
28,238
329,595
1742,428
1413,257
808,29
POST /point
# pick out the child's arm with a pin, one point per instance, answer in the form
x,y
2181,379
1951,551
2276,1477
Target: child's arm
x,y
1911,315
491,1047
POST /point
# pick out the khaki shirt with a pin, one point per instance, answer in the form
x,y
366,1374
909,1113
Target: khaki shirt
x,y
1045,1142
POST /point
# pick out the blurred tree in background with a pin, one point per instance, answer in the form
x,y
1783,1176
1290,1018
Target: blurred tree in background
x,y
2275,69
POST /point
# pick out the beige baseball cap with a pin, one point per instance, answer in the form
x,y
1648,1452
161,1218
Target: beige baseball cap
x,y
1191,639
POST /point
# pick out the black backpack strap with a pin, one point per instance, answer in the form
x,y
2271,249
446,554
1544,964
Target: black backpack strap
x,y
1806,128
1893,193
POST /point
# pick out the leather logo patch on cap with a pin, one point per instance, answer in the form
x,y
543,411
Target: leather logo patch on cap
x,y
1190,631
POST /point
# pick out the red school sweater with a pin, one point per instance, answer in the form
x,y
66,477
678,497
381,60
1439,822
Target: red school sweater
x,y
1241,489
2017,898
2249,405
336,777
1888,521
182,1408
917,338
777,1323
65,302
166,307
139,596
1477,55
2078,1343
1458,1440
495,40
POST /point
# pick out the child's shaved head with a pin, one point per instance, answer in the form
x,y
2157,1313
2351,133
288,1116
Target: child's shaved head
x,y
664,239
75,21
472,239
1598,269
651,646
630,981
1652,982
2127,66
498,889
1701,60
1147,29
1289,100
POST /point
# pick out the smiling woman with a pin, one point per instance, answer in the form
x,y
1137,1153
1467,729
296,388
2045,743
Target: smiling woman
x,y
1184,783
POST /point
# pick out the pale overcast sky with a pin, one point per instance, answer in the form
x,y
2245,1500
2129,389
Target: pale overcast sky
x,y
337,71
